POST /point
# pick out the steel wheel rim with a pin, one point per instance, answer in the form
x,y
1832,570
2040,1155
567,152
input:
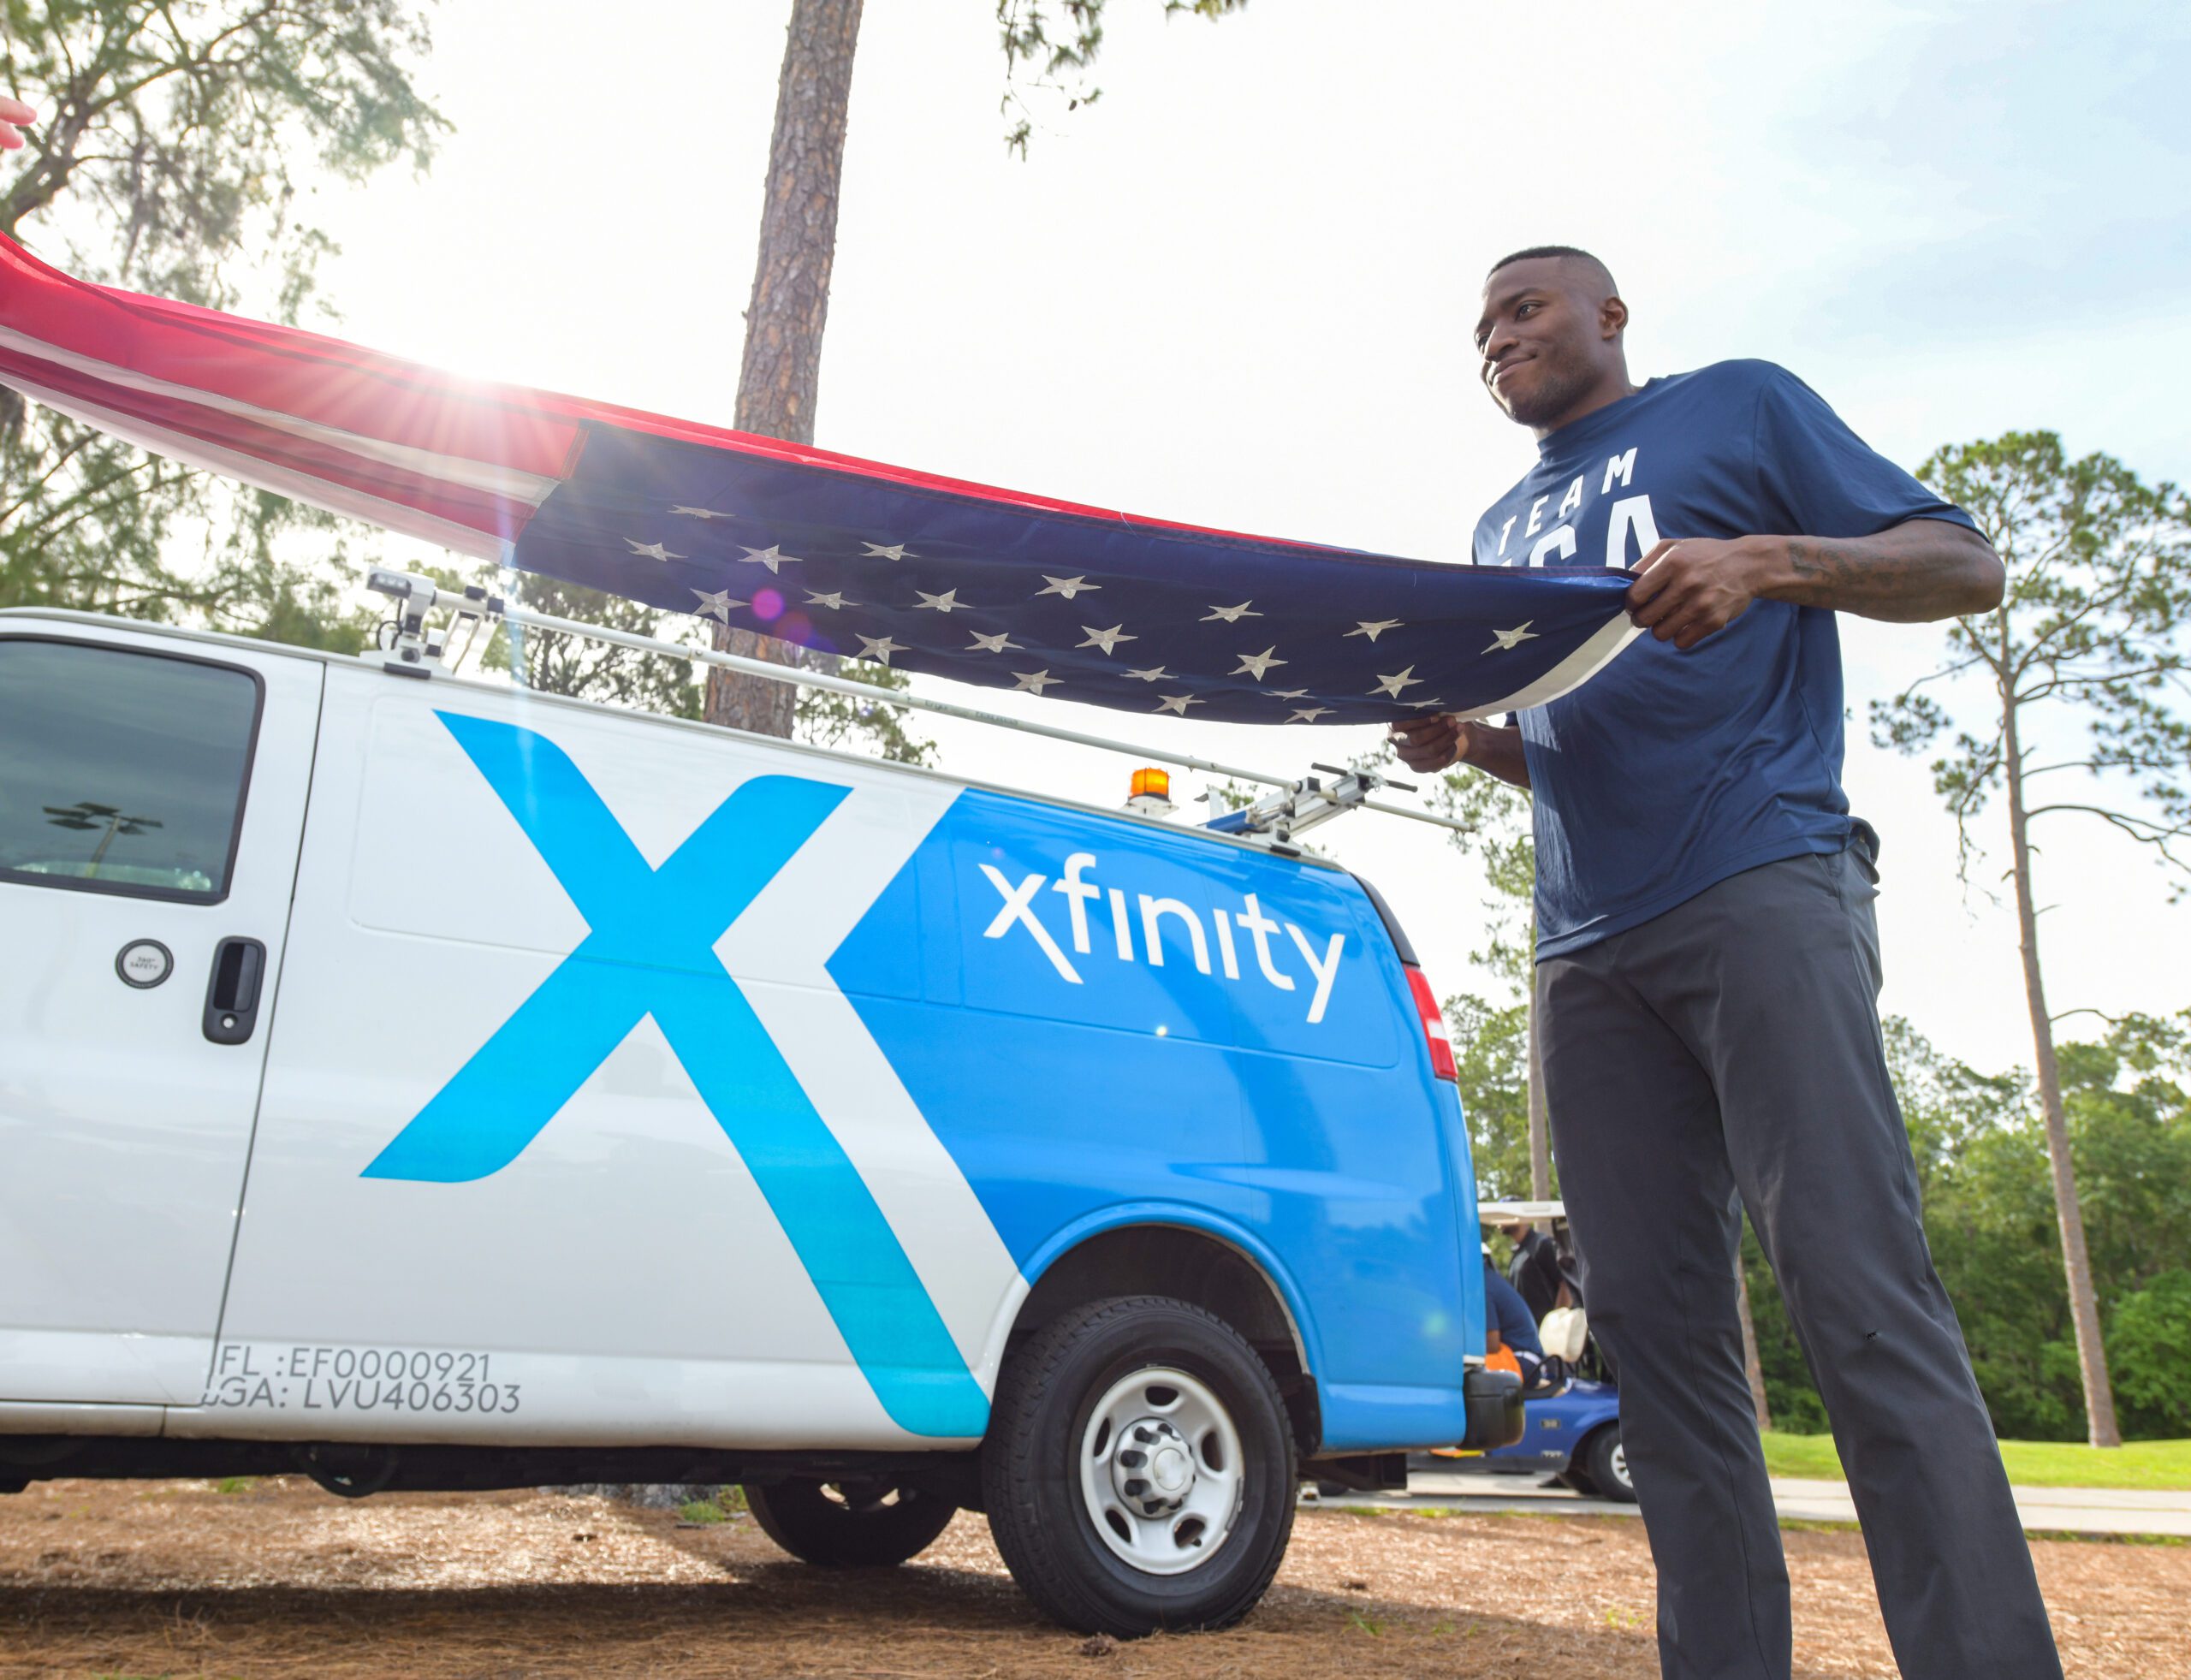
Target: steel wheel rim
x,y
1617,1461
1161,1476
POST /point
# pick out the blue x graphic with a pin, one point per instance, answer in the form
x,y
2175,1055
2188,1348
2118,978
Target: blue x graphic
x,y
648,951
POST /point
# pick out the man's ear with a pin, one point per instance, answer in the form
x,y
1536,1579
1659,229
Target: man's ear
x,y
1612,317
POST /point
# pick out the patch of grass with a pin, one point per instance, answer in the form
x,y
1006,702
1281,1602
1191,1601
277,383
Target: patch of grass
x,y
235,1484
2159,1465
728,1502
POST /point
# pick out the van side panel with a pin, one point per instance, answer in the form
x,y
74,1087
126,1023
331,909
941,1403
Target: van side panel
x,y
566,1113
1152,1021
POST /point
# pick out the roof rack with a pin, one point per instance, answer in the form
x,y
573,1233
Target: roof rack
x,y
417,648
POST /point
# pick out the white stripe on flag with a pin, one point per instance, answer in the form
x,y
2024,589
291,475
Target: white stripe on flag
x,y
251,470
1571,672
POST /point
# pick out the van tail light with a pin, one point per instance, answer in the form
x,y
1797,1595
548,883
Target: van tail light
x,y
1433,1026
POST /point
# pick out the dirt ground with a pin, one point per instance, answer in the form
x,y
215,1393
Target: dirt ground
x,y
118,1579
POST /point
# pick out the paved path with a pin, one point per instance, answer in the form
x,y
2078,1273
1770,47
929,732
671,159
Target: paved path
x,y
2080,1510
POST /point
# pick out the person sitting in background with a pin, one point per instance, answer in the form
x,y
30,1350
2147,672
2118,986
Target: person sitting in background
x,y
1509,1330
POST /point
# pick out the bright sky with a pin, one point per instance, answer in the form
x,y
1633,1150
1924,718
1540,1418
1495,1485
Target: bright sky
x,y
1238,291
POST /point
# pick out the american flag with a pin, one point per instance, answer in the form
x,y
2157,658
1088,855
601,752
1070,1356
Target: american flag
x,y
919,572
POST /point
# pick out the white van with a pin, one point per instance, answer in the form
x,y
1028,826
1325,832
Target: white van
x,y
420,1083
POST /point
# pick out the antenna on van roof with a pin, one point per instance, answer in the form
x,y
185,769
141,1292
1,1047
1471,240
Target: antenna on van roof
x,y
415,649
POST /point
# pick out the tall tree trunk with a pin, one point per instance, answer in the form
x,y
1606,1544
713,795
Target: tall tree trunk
x,y
2101,1427
1753,1367
790,306
1539,1115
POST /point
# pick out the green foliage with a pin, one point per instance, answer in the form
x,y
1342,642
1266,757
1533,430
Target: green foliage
x,y
2087,638
1491,1041
165,161
557,663
1491,1049
1056,42
1981,1151
2149,1345
1499,832
854,723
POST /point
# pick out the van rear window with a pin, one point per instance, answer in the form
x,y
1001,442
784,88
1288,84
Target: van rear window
x,y
122,772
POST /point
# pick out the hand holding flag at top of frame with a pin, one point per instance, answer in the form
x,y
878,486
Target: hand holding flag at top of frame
x,y
919,572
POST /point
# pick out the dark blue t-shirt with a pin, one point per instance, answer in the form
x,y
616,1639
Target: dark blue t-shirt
x,y
1506,1311
1670,771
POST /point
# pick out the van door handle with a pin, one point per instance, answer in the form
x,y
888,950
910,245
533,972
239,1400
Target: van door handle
x,y
232,995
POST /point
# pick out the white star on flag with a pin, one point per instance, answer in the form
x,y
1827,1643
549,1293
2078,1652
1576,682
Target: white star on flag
x,y
1506,641
877,648
772,556
1153,674
1397,681
1255,664
1421,704
1373,628
716,605
884,551
948,602
1106,639
833,601
1289,694
1178,702
1068,587
699,513
1034,681
1307,713
1230,615
996,644
651,550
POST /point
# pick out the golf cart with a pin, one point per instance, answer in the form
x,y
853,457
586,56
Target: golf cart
x,y
1571,1430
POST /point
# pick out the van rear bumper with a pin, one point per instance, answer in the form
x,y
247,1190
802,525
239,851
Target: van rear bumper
x,y
1493,1399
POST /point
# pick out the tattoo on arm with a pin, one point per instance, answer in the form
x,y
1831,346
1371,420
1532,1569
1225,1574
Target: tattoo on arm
x,y
1921,570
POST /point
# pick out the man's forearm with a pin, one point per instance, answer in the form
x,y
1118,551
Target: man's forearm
x,y
1495,752
1911,573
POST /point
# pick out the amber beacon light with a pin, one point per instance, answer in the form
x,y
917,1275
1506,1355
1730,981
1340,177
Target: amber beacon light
x,y
1151,792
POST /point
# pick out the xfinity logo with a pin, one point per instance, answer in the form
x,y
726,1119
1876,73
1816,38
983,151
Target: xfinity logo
x,y
1139,932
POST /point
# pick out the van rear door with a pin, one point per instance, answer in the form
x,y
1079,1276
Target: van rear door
x,y
152,794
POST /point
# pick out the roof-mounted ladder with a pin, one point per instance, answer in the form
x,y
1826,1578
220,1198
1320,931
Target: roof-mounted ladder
x,y
416,648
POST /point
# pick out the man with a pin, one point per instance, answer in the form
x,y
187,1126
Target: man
x,y
1534,1270
1707,972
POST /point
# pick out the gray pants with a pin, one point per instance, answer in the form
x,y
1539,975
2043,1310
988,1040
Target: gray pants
x,y
1727,1055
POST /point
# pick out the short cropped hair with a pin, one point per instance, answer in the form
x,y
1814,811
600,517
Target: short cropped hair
x,y
1535,251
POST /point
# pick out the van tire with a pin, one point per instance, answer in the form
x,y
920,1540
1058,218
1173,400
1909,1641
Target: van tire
x,y
848,1524
1032,1463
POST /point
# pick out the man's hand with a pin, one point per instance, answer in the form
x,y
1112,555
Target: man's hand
x,y
1428,745
1686,590
15,116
